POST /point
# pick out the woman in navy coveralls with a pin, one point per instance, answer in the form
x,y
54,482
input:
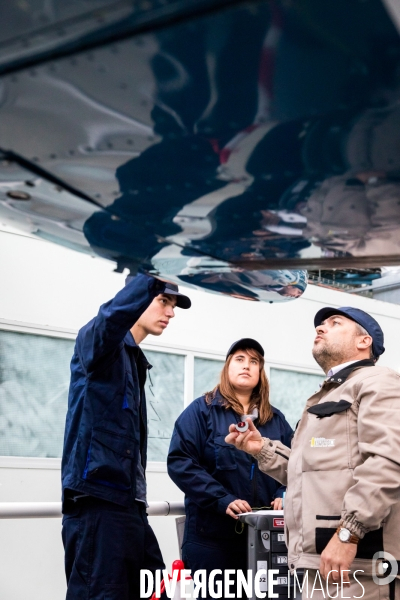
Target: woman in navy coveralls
x,y
218,481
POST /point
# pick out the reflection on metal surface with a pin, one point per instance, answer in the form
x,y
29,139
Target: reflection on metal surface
x,y
242,139
46,210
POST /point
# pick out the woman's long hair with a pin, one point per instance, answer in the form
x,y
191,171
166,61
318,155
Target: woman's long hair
x,y
259,396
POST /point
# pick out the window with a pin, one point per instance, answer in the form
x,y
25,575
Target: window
x,y
164,395
290,390
34,380
206,375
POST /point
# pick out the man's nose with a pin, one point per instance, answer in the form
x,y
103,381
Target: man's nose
x,y
170,312
320,329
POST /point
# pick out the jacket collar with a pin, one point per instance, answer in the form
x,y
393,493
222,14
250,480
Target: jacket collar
x,y
342,375
217,400
130,341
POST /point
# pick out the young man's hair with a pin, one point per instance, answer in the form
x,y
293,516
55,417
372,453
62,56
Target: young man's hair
x,y
259,396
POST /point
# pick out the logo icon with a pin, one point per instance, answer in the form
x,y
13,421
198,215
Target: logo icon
x,y
384,568
278,522
321,442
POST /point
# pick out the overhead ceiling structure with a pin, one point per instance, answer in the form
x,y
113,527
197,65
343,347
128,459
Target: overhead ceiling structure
x,y
223,144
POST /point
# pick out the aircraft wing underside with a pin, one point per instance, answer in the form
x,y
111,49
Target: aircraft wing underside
x,y
222,144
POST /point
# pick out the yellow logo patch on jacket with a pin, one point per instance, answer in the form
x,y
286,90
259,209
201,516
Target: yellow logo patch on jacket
x,y
321,442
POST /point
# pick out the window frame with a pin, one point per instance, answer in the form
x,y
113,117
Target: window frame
x,y
189,353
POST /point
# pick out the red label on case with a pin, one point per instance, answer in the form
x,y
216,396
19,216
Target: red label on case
x,y
279,522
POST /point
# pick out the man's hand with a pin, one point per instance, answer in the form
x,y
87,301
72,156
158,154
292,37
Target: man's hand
x,y
250,441
276,504
337,556
237,507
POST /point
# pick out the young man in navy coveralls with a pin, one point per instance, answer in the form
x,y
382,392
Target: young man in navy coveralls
x,y
106,535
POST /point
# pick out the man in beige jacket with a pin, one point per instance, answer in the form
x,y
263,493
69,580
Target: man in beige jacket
x,y
342,504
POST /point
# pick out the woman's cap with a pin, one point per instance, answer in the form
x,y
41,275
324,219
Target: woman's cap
x,y
360,317
244,344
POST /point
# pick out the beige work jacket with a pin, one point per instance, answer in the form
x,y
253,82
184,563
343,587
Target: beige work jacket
x,y
344,467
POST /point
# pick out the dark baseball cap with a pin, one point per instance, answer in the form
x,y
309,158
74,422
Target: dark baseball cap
x,y
181,300
171,289
244,344
360,317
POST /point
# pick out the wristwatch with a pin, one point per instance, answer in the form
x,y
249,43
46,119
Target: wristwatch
x,y
346,536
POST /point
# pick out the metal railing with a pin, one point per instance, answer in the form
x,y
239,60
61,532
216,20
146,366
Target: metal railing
x,y
45,510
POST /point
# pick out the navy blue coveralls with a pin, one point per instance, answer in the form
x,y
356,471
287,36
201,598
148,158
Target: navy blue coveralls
x,y
212,474
106,536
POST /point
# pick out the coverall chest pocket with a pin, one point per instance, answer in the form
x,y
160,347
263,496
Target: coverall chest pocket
x,y
109,460
327,447
224,454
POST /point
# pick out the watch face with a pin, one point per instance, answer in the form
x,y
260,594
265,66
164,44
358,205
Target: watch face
x,y
344,535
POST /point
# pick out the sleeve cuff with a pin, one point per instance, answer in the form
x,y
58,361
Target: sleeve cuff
x,y
224,502
279,492
266,452
354,526
156,286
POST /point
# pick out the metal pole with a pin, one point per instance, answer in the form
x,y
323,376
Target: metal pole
x,y
45,510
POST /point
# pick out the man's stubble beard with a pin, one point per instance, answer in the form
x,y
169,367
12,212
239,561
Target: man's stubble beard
x,y
328,355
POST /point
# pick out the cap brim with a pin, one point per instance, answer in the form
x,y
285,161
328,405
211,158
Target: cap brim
x,y
327,312
182,301
244,344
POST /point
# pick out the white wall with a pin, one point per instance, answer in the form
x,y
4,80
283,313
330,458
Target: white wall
x,y
46,285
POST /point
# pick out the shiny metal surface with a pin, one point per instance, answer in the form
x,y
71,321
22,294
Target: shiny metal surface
x,y
226,145
42,510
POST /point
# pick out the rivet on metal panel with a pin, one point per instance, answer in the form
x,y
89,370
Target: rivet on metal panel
x,y
18,195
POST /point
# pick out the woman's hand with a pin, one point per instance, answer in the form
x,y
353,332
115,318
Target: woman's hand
x,y
276,504
238,507
251,441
